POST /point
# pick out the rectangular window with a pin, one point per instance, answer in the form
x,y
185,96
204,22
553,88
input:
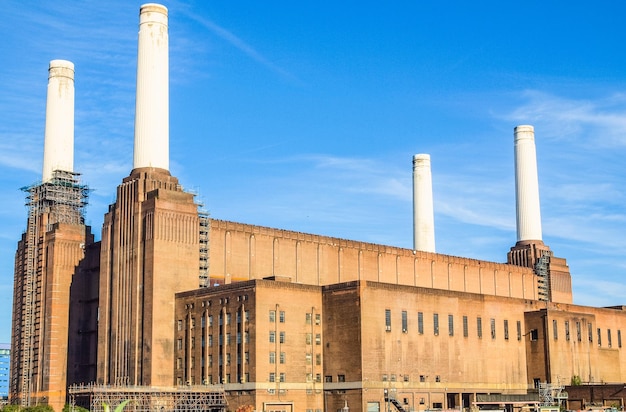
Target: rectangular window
x,y
555,331
228,359
179,363
405,322
282,337
272,357
193,342
228,318
450,325
387,320
436,323
341,378
590,331
318,319
479,327
328,378
519,330
579,335
272,377
308,318
609,341
193,323
309,338
282,377
210,361
282,316
309,358
465,327
282,357
272,316
420,323
272,336
506,329
179,344
318,359
210,340
567,336
202,321
493,328
599,337
619,338
210,320
179,324
318,339
318,377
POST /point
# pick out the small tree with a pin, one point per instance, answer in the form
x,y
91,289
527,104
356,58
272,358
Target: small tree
x,y
118,408
576,381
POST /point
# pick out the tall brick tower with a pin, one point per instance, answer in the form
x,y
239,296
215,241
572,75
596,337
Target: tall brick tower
x,y
555,282
150,236
47,256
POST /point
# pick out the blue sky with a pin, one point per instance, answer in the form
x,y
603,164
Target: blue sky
x,y
305,116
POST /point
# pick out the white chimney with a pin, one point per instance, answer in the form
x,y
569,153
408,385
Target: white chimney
x,y
423,216
152,103
58,152
526,186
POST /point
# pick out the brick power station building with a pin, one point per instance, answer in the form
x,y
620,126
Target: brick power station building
x,y
179,311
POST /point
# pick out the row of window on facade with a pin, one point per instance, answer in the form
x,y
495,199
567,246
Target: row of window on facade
x,y
208,320
590,332
222,340
221,361
210,381
451,328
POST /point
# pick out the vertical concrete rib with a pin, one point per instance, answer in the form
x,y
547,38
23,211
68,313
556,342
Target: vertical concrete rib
x,y
59,133
526,185
152,103
423,214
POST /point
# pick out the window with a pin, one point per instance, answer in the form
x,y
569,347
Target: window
x,y
590,331
282,316
228,338
619,338
493,328
387,320
282,377
318,339
479,327
246,316
309,338
579,336
608,338
308,318
272,316
179,344
308,358
405,326
318,319
519,330
534,334
328,378
318,359
318,377
567,330
228,318
179,363
202,321
272,357
282,357
193,342
450,325
210,340
282,337
436,323
179,324
422,378
210,361
506,329
210,320
193,323
228,359
555,329
599,337
420,323
465,327
272,336
437,378
341,378
272,377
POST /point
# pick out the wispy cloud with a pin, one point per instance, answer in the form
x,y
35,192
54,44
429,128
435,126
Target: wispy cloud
x,y
240,44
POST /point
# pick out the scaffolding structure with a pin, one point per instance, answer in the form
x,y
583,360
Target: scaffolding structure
x,y
209,398
550,394
205,228
62,199
543,275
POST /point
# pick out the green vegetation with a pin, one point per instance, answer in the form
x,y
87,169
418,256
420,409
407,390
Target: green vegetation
x,y
576,381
